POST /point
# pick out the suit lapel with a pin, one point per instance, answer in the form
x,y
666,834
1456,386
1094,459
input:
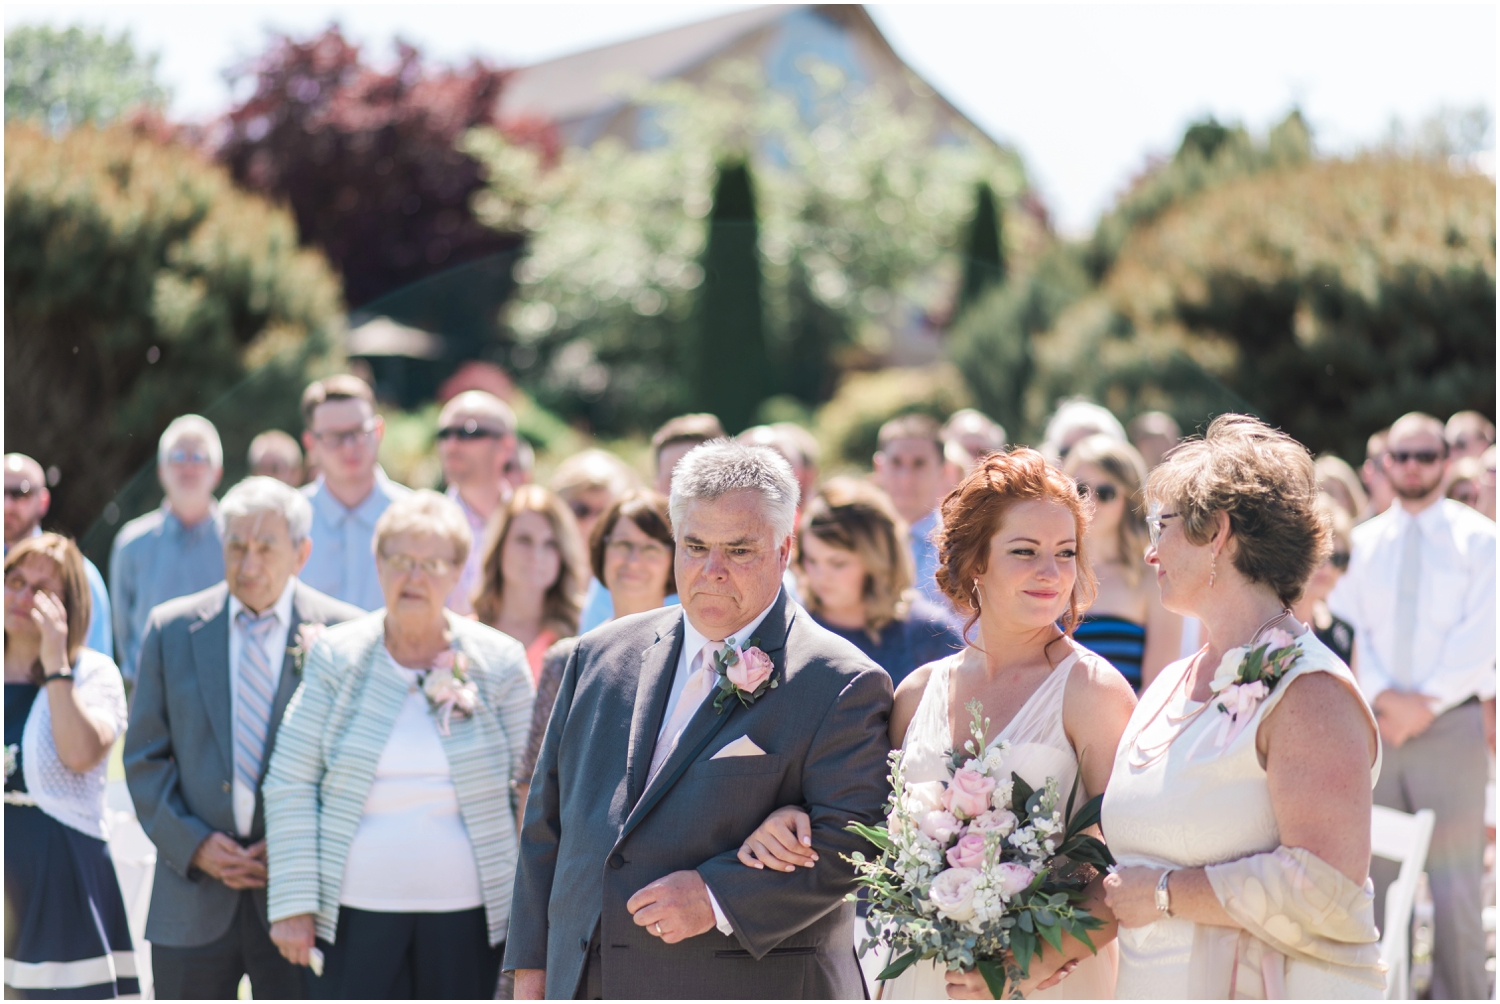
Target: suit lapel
x,y
287,685
653,687
211,659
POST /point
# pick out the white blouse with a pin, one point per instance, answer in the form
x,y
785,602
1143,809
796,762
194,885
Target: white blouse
x,y
411,853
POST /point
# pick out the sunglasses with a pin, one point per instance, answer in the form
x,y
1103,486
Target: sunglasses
x,y
582,511
470,430
1339,560
18,492
1102,493
1424,457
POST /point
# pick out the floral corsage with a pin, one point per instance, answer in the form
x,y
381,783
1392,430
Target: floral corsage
x,y
744,673
307,637
1246,677
449,689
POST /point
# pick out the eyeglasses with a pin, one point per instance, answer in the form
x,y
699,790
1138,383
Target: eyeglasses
x,y
187,457
470,430
1339,560
405,564
625,550
19,491
1154,525
1102,493
582,511
1424,457
347,437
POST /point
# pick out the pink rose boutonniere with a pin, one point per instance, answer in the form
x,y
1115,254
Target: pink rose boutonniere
x,y
744,673
307,637
1247,676
449,689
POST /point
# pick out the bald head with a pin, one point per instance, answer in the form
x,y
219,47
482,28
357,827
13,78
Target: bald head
x,y
1416,459
492,413
26,497
476,438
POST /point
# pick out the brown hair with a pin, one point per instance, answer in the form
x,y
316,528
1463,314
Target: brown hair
x,y
854,515
648,511
698,428
564,600
1124,464
76,597
342,387
1264,480
973,512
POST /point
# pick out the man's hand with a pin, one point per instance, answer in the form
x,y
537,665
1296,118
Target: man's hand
x,y
237,867
294,937
674,907
531,984
1402,715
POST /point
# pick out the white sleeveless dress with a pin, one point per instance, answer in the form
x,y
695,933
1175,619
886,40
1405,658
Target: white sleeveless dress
x,y
1200,805
1039,749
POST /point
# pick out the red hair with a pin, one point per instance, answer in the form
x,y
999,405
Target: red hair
x,y
973,512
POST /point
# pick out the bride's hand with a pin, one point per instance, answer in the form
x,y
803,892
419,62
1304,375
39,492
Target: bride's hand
x,y
1130,894
781,843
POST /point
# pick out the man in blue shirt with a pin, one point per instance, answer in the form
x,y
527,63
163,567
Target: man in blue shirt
x,y
26,502
342,437
175,550
909,467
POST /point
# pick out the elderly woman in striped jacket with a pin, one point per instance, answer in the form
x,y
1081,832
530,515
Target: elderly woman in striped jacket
x,y
391,832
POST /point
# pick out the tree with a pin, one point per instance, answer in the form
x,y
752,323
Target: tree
x,y
141,284
63,78
984,258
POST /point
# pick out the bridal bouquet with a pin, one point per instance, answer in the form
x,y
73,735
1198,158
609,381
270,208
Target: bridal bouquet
x,y
978,871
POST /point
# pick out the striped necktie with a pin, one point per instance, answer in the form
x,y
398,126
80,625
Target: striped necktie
x,y
699,682
256,694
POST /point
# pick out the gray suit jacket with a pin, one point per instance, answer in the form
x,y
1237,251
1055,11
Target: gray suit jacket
x,y
595,832
179,752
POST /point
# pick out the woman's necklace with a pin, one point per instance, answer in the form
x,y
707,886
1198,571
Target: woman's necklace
x,y
1143,756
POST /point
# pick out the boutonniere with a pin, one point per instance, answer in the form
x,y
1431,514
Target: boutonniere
x,y
449,689
307,636
744,673
1246,677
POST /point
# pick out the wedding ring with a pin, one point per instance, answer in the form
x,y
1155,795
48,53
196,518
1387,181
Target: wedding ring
x,y
658,929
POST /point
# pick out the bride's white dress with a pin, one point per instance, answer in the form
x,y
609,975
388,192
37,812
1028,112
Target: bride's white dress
x,y
1039,749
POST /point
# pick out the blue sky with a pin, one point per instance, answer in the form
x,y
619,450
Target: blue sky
x,y
1086,93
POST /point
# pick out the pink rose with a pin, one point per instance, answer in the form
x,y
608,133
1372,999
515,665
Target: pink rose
x,y
1002,821
939,825
968,793
750,670
968,852
444,659
1013,879
1278,638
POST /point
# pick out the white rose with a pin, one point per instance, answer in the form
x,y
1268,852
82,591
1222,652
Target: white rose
x,y
1002,821
924,796
952,892
939,825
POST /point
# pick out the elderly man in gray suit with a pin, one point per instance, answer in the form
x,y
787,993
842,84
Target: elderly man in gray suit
x,y
216,671
675,733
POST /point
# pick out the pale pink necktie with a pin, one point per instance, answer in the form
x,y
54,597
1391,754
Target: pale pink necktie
x,y
699,682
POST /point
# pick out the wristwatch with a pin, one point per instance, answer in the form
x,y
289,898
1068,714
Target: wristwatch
x,y
66,674
1163,896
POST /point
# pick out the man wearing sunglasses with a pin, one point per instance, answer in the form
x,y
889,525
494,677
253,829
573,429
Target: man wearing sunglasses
x,y
342,435
176,549
476,438
1420,593
26,502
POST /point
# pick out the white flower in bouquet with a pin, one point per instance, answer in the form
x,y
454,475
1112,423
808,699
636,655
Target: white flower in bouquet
x,y
952,893
1001,821
1012,879
940,824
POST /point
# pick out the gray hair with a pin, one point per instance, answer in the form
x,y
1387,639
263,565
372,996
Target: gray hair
x,y
1076,418
426,511
263,494
721,466
191,425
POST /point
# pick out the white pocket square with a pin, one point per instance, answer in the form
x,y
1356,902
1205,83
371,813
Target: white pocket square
x,y
743,746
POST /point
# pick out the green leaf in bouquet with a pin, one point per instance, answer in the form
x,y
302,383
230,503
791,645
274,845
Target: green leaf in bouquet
x,y
899,966
1048,928
1086,816
1023,946
1019,796
1081,932
994,977
1024,921
876,835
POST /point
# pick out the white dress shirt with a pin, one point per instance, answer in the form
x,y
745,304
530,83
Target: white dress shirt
x,y
244,798
688,662
1453,648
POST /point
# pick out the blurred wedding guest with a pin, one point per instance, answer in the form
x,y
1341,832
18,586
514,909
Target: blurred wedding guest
x,y
66,934
1076,419
1421,595
1486,501
1153,434
342,435
520,468
26,501
390,825
811,455
631,552
784,441
217,670
476,438
1468,434
1337,480
590,482
1126,623
533,572
1312,608
274,454
1467,484
176,549
1373,476
675,439
909,467
856,575
968,437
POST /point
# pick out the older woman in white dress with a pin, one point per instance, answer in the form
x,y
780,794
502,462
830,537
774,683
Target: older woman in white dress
x,y
1239,805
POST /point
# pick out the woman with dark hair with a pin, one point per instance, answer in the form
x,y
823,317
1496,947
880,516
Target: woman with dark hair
x,y
1013,559
66,934
855,571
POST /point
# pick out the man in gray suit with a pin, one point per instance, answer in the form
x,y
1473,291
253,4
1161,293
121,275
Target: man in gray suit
x,y
669,743
217,669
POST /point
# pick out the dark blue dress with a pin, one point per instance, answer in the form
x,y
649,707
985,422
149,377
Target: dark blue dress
x,y
66,936
1121,642
925,636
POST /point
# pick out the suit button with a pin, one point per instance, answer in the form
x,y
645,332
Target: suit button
x,y
226,785
617,861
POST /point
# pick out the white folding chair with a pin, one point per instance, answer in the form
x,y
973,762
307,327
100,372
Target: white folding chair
x,y
1403,838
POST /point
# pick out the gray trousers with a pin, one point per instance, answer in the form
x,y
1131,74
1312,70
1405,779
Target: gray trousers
x,y
1443,769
